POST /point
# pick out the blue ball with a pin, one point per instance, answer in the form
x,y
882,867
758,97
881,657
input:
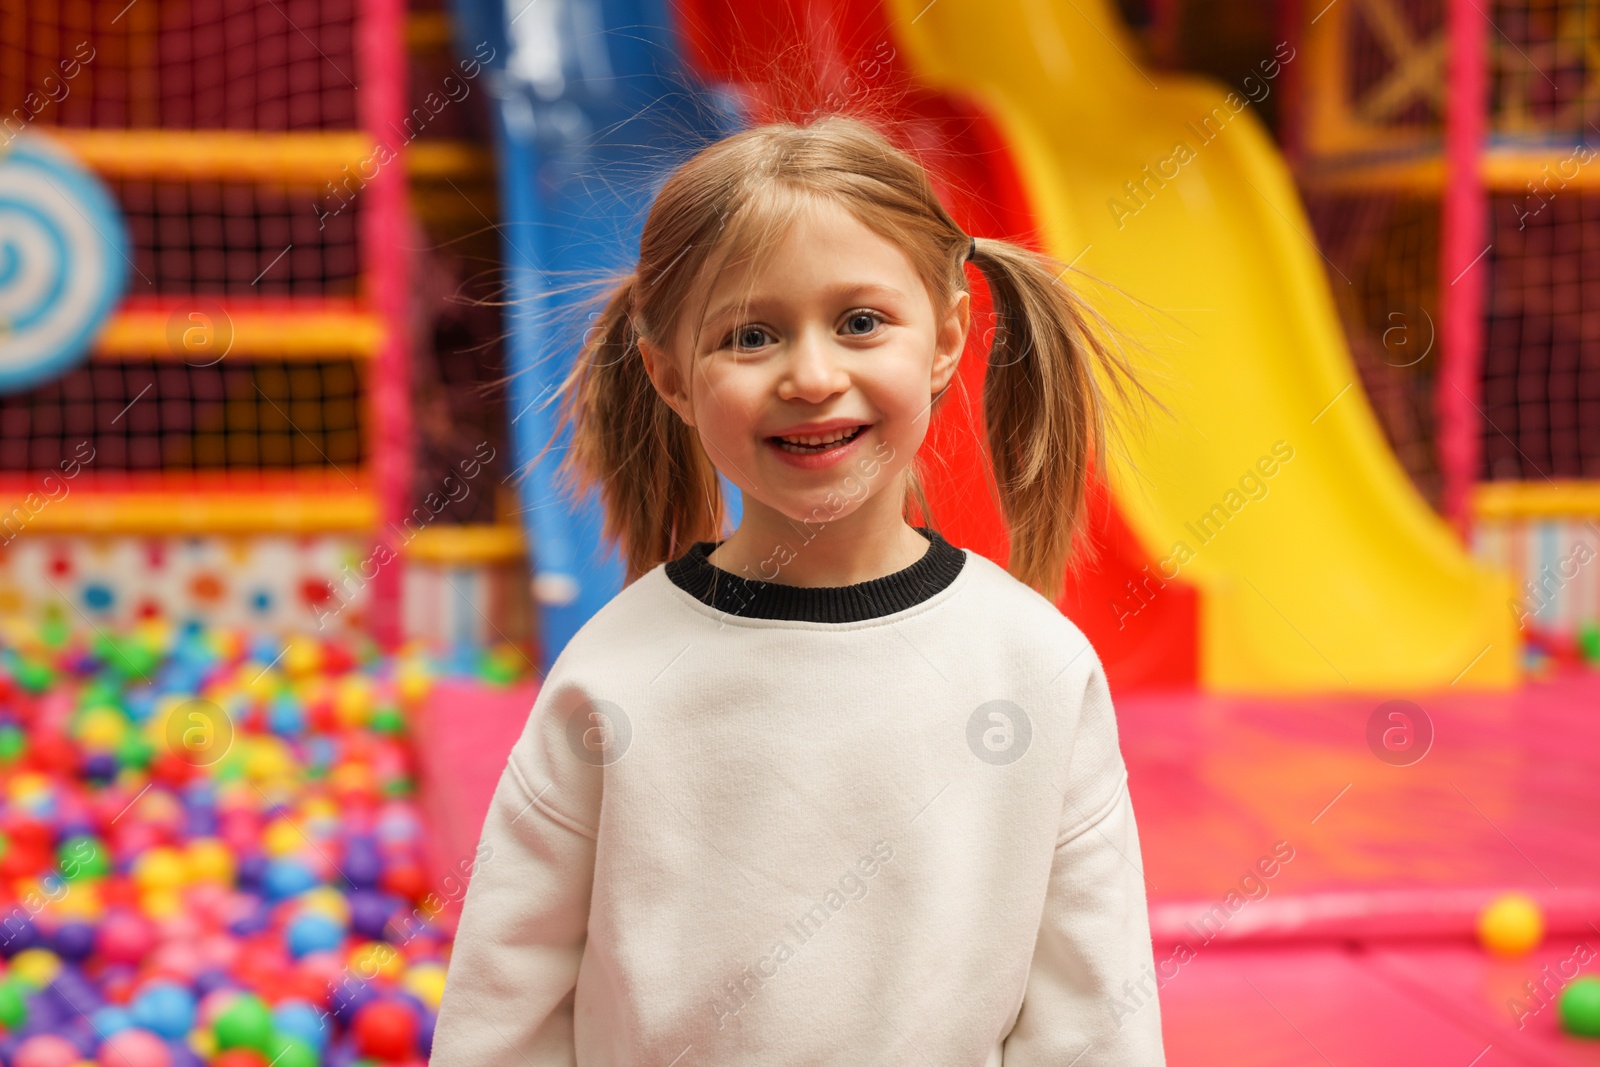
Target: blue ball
x,y
111,1019
298,1018
165,1008
287,878
313,933
286,717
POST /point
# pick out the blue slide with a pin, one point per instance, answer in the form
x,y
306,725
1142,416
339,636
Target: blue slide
x,y
593,106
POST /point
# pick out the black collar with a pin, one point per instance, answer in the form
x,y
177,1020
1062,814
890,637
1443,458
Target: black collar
x,y
736,595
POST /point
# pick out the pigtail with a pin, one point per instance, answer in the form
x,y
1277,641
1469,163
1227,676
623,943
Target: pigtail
x,y
659,490
1045,416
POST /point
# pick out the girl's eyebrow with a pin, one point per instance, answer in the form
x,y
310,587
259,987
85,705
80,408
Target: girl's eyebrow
x,y
834,294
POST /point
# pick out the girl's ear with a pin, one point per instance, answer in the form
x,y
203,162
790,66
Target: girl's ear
x,y
950,341
669,384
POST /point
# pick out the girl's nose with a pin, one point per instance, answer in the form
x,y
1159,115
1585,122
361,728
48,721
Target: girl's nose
x,y
812,371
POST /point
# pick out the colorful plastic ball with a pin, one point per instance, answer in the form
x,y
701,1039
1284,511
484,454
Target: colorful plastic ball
x,y
240,1057
165,1008
84,858
300,1019
386,1029
244,1023
13,1004
289,1051
73,940
426,982
1511,925
161,868
286,878
46,1050
1580,1007
134,1048
126,937
313,933
111,1019
36,966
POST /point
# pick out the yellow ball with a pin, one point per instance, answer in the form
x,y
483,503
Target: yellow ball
x,y
1512,925
302,656
425,981
352,700
282,838
28,784
415,682
376,959
161,903
210,860
36,966
102,729
203,1041
83,902
328,901
268,757
160,869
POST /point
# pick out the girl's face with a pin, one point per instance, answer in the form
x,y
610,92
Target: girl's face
x,y
838,343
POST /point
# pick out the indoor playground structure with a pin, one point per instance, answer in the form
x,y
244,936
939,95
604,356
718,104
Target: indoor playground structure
x,y
286,287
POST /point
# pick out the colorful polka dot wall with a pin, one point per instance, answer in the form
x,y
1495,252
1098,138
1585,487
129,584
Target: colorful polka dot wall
x,y
210,852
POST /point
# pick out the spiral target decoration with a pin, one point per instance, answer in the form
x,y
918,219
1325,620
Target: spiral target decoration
x,y
63,260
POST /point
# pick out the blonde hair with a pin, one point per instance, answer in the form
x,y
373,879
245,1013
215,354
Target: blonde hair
x,y
1044,415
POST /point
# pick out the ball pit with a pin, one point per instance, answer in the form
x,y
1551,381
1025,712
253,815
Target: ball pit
x,y
209,853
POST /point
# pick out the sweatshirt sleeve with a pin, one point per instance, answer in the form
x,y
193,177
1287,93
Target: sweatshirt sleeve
x,y
509,988
1090,998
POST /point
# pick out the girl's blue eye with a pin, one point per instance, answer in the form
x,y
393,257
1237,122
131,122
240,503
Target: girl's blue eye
x,y
750,337
867,317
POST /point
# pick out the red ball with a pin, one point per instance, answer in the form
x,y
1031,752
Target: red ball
x,y
386,1029
405,879
171,770
52,752
308,986
238,1057
125,937
119,891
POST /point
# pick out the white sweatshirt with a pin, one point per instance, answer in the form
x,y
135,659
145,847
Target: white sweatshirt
x,y
752,824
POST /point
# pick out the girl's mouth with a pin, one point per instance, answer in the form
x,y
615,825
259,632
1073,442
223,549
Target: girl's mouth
x,y
817,451
813,444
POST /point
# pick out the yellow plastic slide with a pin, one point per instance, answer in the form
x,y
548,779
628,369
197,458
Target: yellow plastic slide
x,y
1319,566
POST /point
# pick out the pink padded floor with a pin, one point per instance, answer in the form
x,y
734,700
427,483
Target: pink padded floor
x,y
1358,950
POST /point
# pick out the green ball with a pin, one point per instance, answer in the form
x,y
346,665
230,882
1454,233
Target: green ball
x,y
292,1052
13,1004
13,742
246,1023
399,788
1589,641
83,857
55,632
135,751
34,676
388,721
1580,1007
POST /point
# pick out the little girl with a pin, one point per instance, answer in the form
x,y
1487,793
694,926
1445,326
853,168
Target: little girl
x,y
831,791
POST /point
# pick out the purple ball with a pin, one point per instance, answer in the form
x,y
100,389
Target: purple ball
x,y
369,912
19,934
200,822
73,941
210,980
425,1034
45,1009
363,865
351,998
250,870
100,766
